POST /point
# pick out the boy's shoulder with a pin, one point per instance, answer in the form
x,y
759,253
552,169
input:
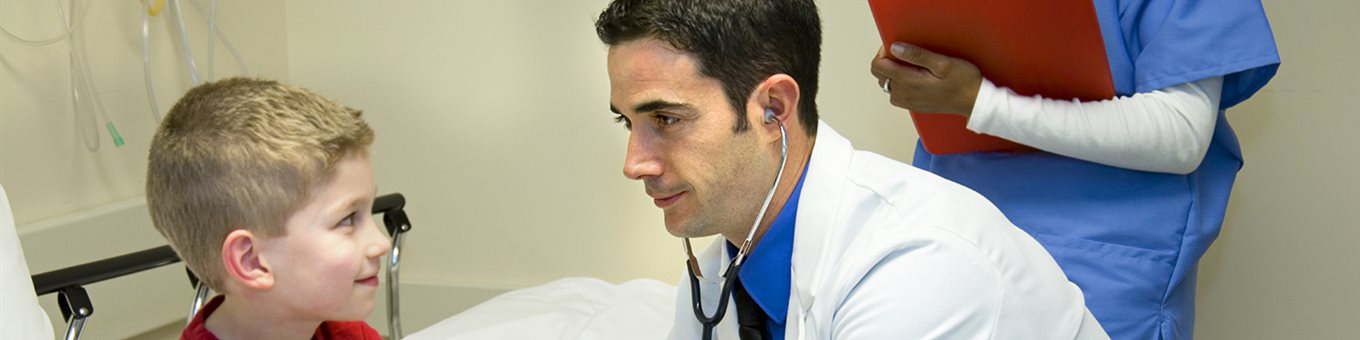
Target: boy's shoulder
x,y
197,328
346,330
329,330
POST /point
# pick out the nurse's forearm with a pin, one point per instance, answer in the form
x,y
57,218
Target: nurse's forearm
x,y
1167,130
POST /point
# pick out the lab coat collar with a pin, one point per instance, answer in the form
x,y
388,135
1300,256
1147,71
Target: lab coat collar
x,y
822,192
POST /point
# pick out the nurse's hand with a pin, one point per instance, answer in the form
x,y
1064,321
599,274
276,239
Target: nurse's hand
x,y
927,82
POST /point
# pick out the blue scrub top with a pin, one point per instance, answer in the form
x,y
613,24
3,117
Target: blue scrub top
x,y
1131,239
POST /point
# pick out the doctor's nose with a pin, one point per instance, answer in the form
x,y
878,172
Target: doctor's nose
x,y
642,160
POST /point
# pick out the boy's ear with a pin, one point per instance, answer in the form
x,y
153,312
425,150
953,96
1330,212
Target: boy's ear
x,y
245,262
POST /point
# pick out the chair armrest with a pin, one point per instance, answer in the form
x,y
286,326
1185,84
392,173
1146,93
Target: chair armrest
x,y
84,274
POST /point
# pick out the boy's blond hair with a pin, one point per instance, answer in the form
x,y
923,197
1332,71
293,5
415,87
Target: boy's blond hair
x,y
242,153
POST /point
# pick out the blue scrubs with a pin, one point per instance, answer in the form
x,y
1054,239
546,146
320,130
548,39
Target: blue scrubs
x,y
1131,239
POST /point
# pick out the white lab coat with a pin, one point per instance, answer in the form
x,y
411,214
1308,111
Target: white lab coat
x,y
883,250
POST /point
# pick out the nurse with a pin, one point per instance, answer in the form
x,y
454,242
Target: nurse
x,y
718,98
1127,194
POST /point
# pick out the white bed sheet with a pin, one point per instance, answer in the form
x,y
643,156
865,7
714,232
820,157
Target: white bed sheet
x,y
570,308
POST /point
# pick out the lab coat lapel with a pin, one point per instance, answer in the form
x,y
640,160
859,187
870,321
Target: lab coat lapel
x,y
817,207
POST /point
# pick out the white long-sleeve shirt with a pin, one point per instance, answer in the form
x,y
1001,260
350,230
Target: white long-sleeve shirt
x,y
1167,130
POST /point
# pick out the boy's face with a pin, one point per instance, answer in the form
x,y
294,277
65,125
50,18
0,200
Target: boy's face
x,y
326,268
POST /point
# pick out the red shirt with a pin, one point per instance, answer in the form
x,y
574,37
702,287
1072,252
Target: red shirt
x,y
329,330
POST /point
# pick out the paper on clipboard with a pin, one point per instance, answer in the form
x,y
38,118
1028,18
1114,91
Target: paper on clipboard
x,y
1051,48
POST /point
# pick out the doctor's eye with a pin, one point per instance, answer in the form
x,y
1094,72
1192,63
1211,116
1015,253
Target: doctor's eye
x,y
627,124
664,120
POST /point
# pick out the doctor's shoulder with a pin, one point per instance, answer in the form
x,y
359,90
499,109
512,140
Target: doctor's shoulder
x,y
943,254
920,279
911,193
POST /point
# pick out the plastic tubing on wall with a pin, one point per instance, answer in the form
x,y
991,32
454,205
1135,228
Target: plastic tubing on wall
x,y
214,32
184,43
67,28
146,62
212,28
240,63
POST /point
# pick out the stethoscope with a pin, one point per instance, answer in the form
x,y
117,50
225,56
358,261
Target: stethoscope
x,y
730,276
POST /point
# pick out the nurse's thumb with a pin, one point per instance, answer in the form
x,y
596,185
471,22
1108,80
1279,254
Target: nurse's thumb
x,y
915,55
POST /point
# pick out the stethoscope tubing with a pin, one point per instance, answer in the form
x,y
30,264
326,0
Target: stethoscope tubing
x,y
730,276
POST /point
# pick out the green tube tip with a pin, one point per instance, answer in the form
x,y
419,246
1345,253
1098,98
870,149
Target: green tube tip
x,y
117,138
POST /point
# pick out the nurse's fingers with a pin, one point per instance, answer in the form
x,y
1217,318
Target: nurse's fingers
x,y
936,63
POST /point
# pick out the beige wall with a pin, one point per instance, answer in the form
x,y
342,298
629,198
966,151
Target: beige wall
x,y
492,119
1286,265
44,162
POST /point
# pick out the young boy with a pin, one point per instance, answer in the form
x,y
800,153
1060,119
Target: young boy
x,y
265,191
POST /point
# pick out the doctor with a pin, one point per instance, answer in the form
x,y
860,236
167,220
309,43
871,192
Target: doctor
x,y
716,95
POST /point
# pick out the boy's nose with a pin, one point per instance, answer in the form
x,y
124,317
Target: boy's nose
x,y
379,244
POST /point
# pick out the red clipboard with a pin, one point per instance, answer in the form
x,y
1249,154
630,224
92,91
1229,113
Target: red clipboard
x,y
1051,48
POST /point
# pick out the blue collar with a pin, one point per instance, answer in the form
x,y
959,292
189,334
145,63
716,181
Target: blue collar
x,y
766,274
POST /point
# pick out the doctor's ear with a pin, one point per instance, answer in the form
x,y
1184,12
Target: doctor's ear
x,y
244,262
779,96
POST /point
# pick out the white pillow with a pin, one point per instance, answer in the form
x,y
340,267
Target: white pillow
x,y
24,318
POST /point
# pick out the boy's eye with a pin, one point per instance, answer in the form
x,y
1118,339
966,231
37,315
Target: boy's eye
x,y
347,221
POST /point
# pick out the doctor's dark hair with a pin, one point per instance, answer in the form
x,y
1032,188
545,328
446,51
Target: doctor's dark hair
x,y
738,42
246,154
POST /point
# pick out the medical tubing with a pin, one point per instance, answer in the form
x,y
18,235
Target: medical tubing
x,y
146,66
184,43
91,142
212,28
240,63
67,27
98,102
90,131
81,81
87,73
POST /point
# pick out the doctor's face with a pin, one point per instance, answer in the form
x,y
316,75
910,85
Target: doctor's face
x,y
706,178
